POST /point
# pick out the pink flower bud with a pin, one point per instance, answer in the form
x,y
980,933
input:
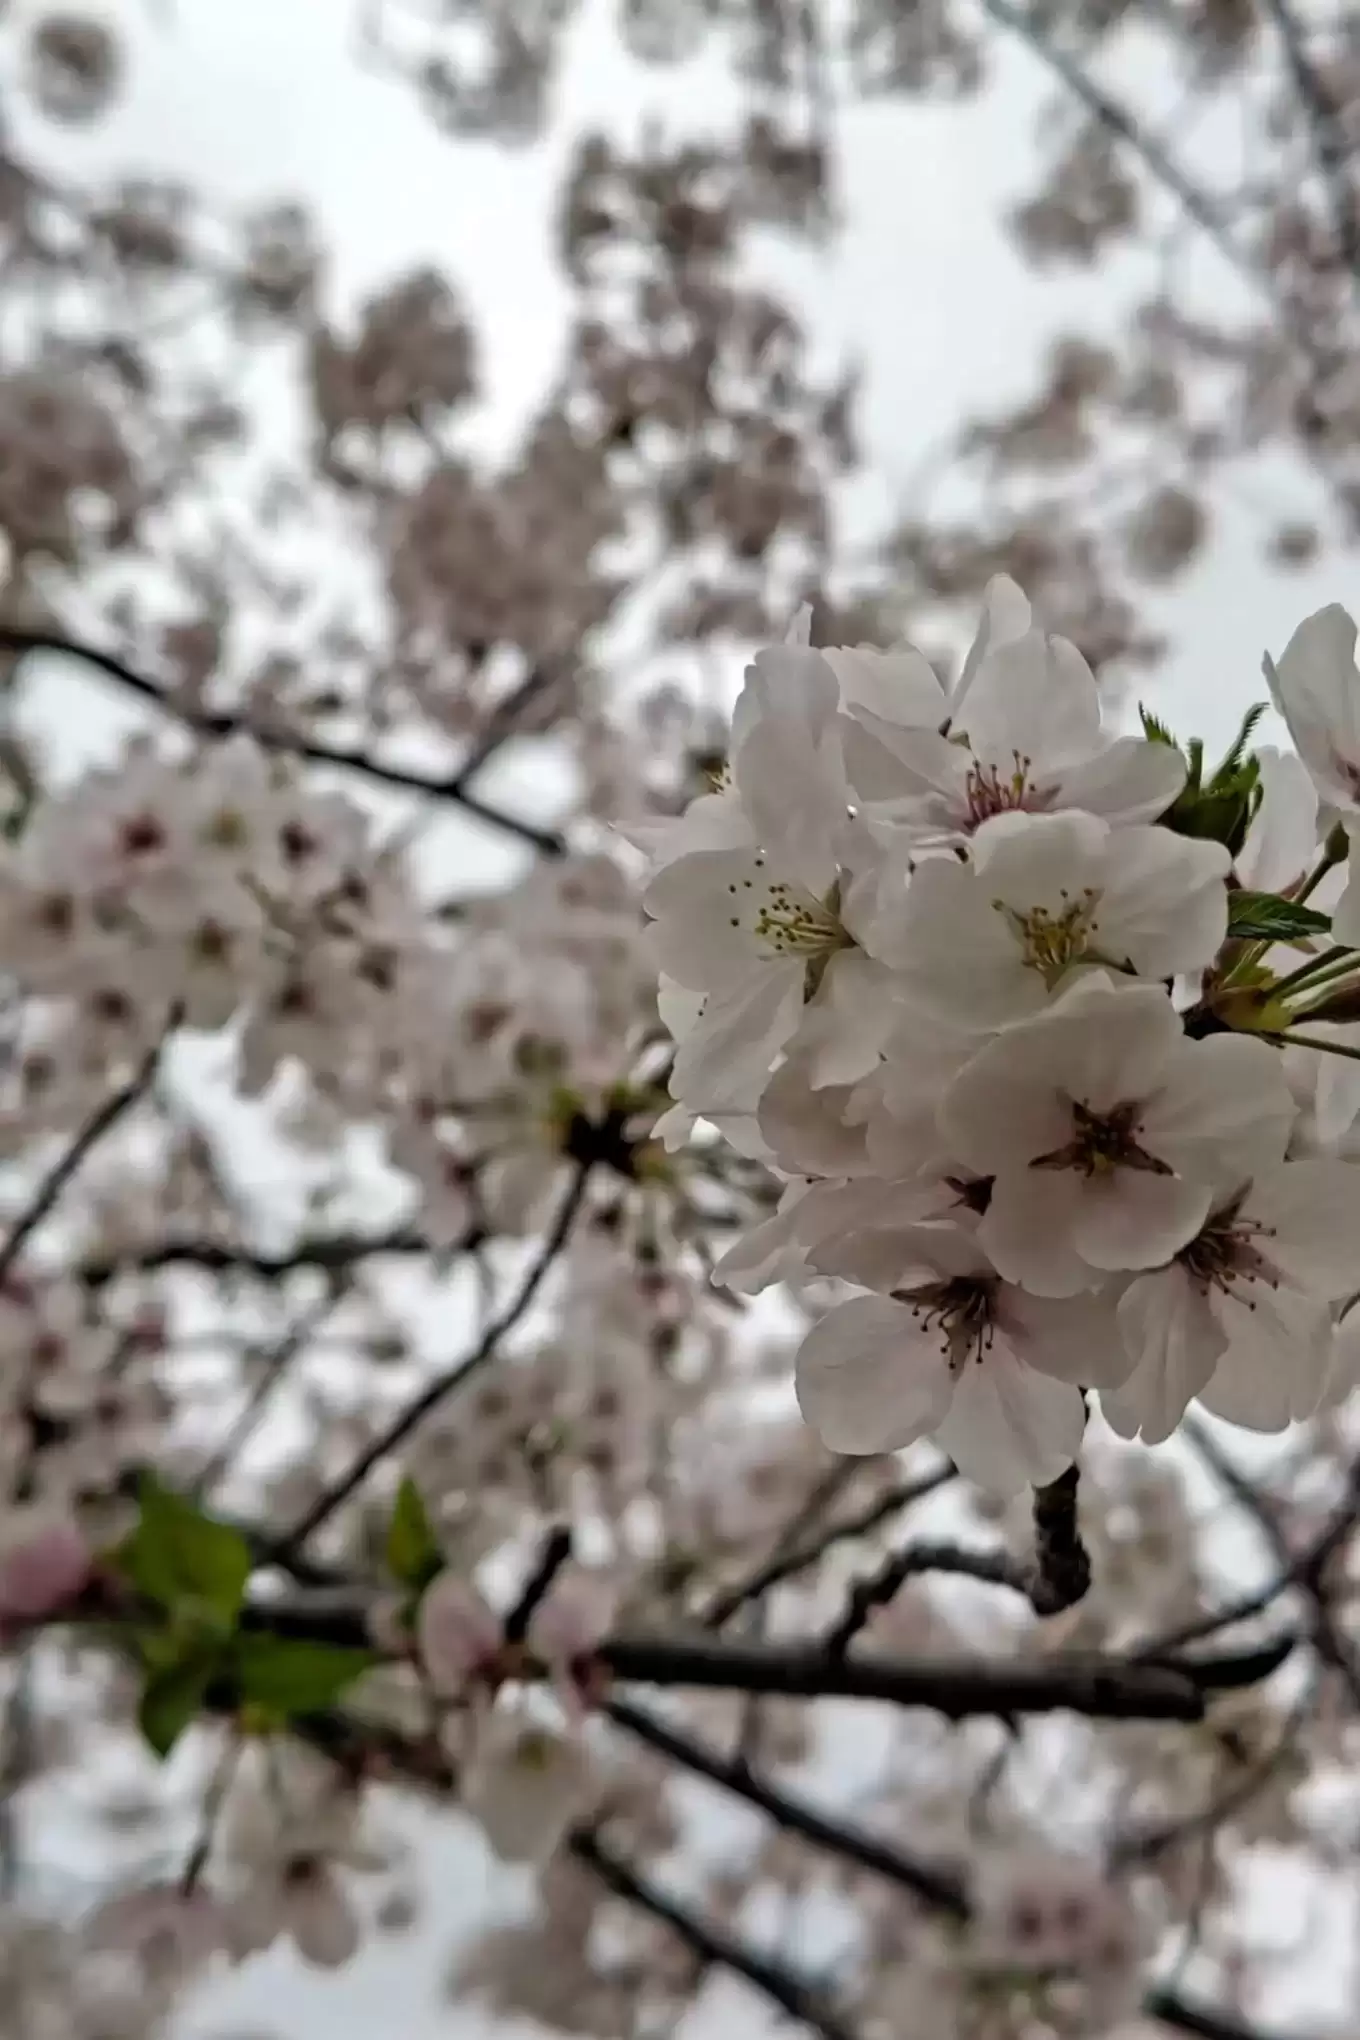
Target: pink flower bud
x,y
43,1573
457,1635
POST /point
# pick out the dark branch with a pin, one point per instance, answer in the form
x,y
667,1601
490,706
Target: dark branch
x,y
453,787
1062,1567
555,1554
330,1253
1329,142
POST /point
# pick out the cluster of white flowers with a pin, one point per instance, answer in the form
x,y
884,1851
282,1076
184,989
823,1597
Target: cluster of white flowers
x,y
975,976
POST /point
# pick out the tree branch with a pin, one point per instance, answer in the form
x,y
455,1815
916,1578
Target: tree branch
x,y
205,723
330,1253
775,1982
1328,139
444,1384
49,1191
800,1557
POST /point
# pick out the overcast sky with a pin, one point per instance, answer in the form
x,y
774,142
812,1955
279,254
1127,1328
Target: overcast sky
x,y
258,99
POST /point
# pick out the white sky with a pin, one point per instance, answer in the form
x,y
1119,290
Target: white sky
x,y
259,99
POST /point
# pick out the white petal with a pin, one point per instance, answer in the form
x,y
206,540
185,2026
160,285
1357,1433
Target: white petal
x,y
867,1380
844,1027
1072,1338
1278,1358
1174,1342
1027,1231
786,760
322,1922
1133,1218
1282,839
958,957
899,685
805,1129
1008,1427
1316,690
1313,1211
722,1063
1125,781
1033,697
1224,1112
1006,615
1164,907
708,911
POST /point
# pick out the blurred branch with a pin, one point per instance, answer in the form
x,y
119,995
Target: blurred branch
x,y
48,1193
800,1557
329,1253
205,723
445,1383
1328,139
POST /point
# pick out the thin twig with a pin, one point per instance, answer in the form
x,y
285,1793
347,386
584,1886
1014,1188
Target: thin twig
x,y
709,1942
936,1886
271,1373
778,1569
452,787
1325,132
1326,1638
445,1383
49,1191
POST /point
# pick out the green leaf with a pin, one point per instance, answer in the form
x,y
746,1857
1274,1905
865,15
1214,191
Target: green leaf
x,y
288,1675
1237,749
183,1559
1154,729
170,1701
413,1556
1265,917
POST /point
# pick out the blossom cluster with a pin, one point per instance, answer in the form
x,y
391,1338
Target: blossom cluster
x,y
1022,1012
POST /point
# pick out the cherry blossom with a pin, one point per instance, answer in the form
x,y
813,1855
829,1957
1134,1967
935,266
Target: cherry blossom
x,y
953,1352
1046,895
1242,1318
1105,1130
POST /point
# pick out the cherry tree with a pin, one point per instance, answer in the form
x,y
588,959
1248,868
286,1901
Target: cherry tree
x,y
389,1432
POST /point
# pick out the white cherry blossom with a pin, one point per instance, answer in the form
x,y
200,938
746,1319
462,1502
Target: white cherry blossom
x,y
1242,1317
1107,1130
983,944
951,1351
1024,736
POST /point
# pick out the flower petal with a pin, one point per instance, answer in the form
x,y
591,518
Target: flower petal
x,y
1174,1343
868,1380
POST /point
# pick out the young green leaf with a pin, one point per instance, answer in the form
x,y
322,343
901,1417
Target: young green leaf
x,y
1154,729
413,1556
182,1559
171,1699
286,1675
1265,917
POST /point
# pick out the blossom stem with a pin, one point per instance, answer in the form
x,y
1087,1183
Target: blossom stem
x,y
1333,963
1293,1040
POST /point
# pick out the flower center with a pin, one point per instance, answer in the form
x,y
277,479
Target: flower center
x,y
1051,943
962,1309
989,791
788,921
1226,1252
1102,1142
